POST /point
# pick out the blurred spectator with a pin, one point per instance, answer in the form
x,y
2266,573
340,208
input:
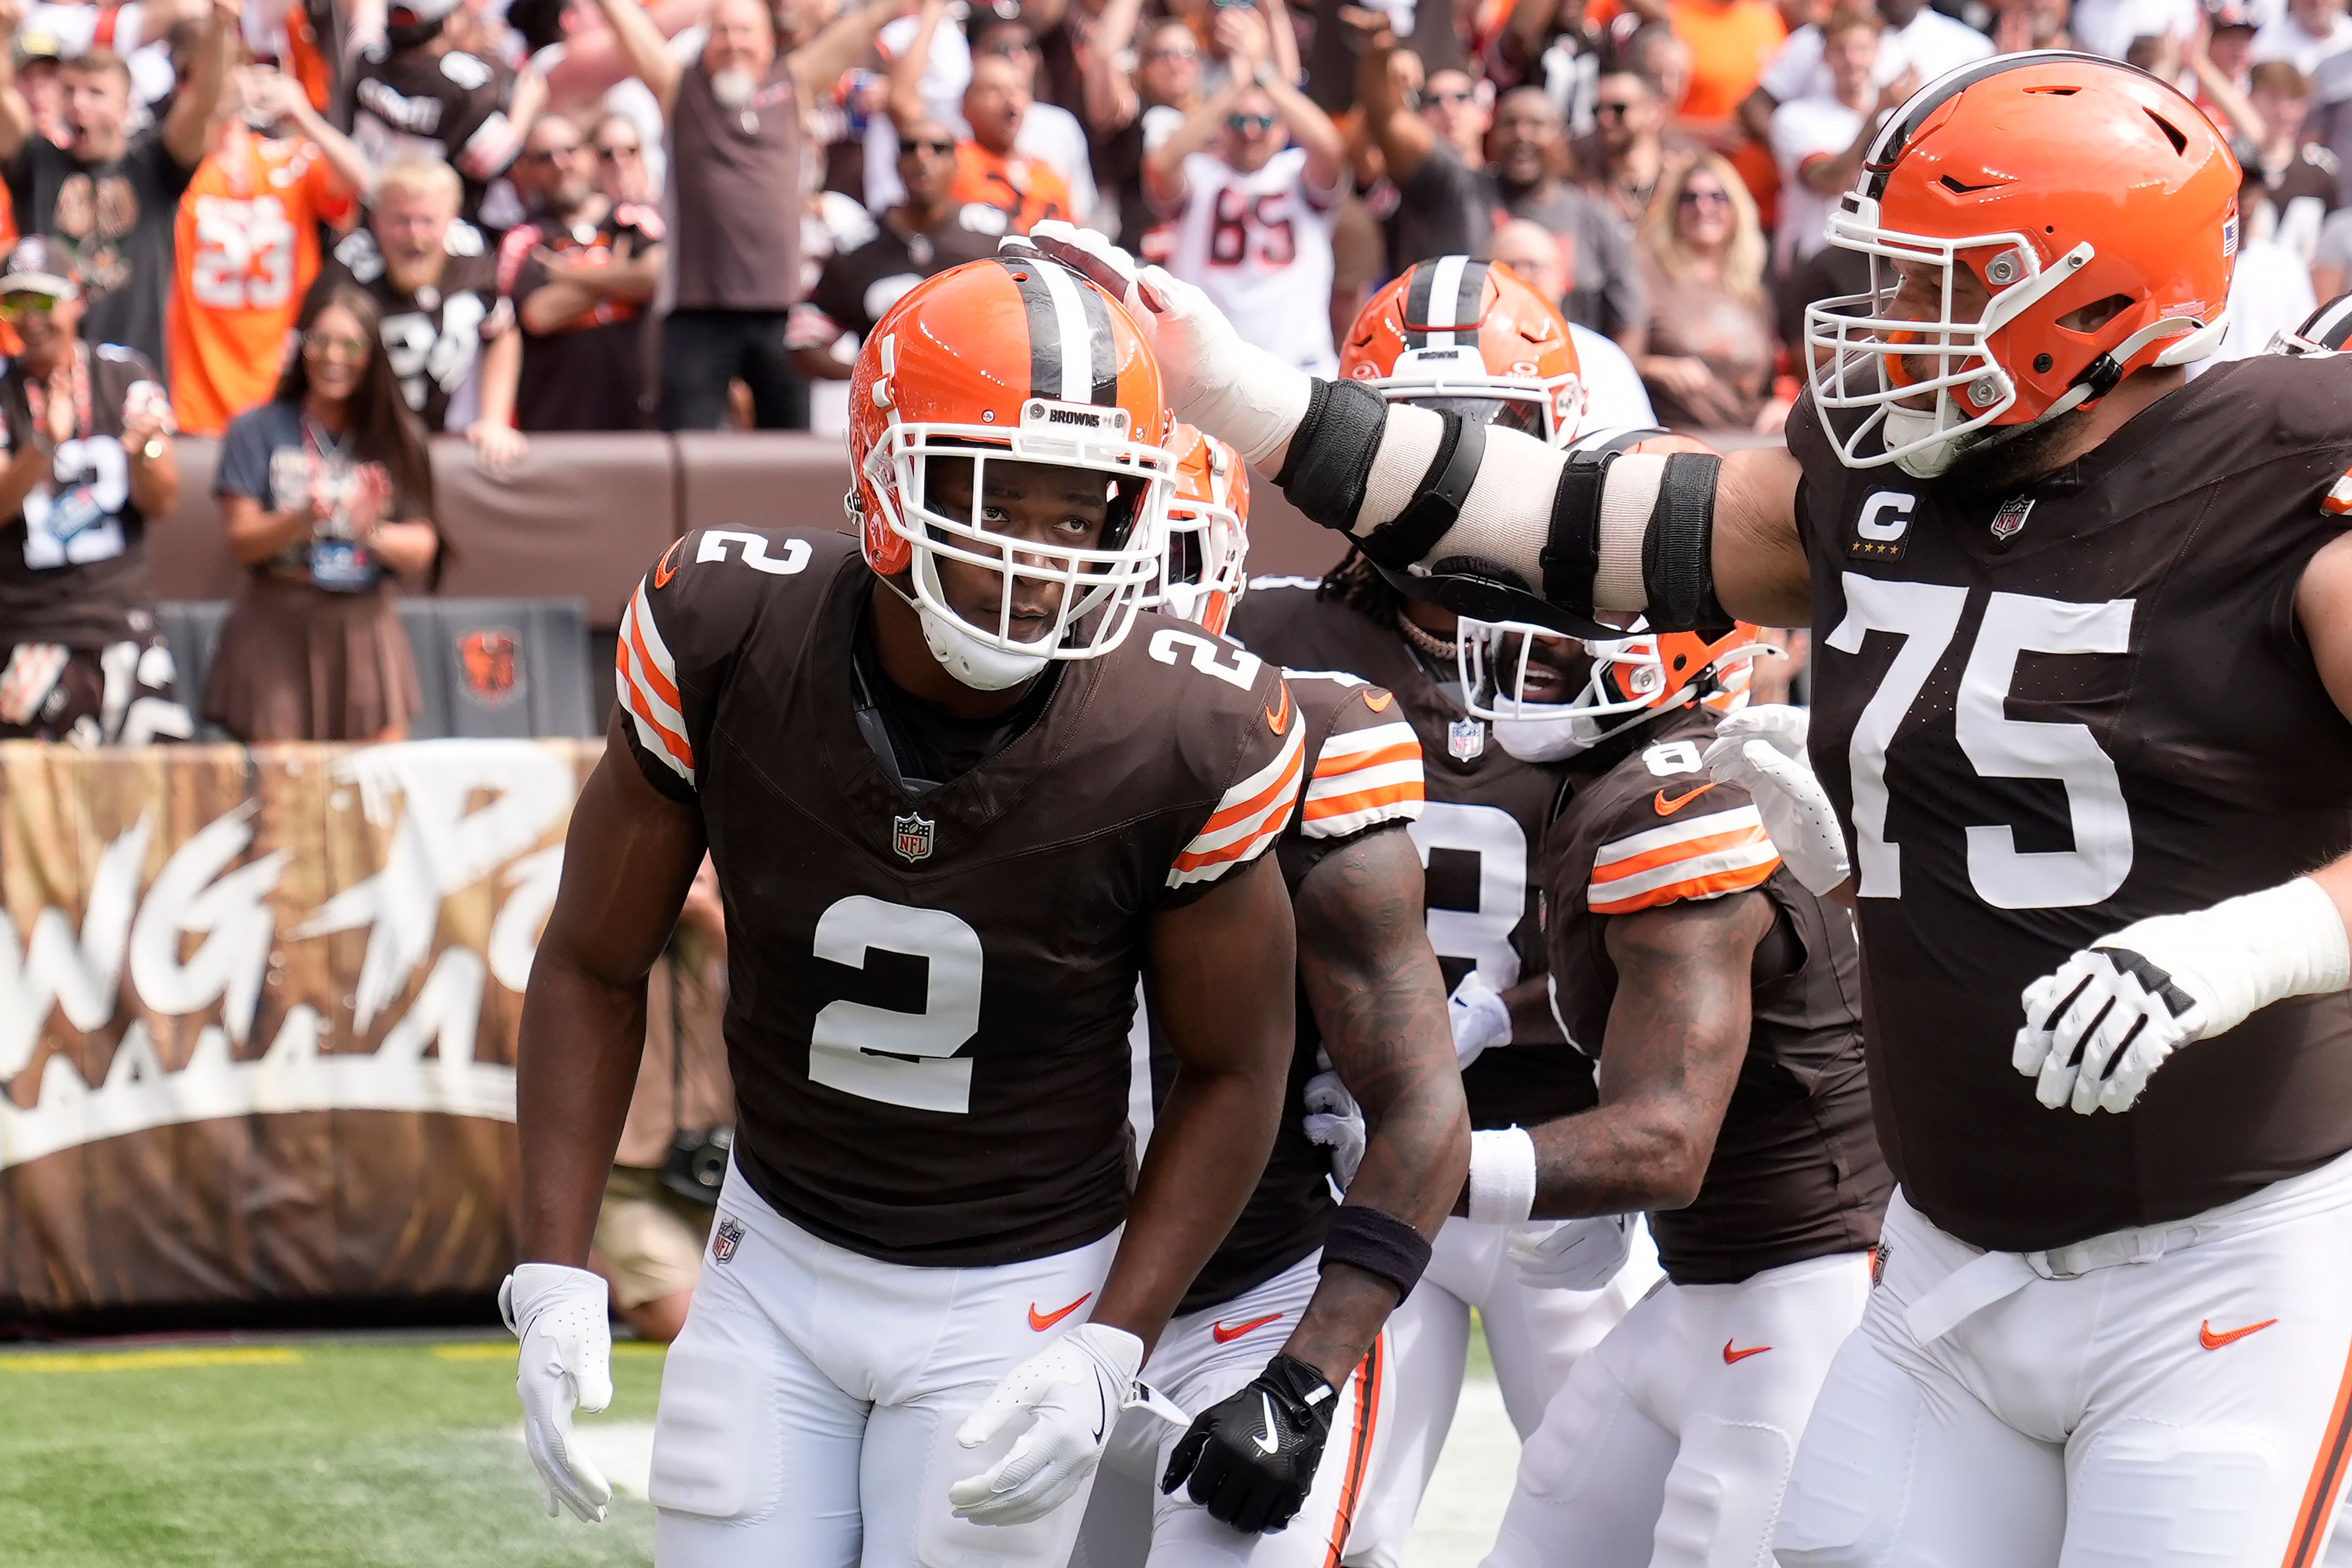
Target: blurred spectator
x,y
1131,111
580,272
655,1219
90,460
1730,41
623,173
1613,397
1820,141
1665,62
1440,208
416,93
2304,35
998,163
1049,132
2222,56
1249,181
109,197
2298,178
1626,156
1460,108
137,31
2018,25
40,77
1917,39
1709,357
1552,45
734,117
437,290
928,231
248,244
1525,178
2108,26
323,490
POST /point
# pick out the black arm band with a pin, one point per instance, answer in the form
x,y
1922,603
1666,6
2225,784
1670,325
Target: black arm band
x,y
1572,553
1380,1243
1332,452
1678,547
1407,539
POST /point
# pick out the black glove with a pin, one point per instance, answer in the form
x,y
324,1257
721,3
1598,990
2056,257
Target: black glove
x,y
1252,1457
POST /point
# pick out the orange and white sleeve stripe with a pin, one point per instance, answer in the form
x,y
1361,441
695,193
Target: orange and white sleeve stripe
x,y
1251,816
1706,857
647,679
2338,500
1363,777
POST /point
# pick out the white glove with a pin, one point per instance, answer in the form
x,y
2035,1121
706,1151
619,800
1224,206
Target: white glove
x,y
1572,1254
567,1362
1335,1121
2096,1029
1481,1018
1075,1388
1762,750
1213,379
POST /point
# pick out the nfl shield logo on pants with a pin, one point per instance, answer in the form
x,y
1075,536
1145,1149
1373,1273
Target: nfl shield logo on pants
x,y
911,836
1466,740
726,1239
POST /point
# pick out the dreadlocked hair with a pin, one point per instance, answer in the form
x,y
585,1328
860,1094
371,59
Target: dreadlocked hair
x,y
1355,583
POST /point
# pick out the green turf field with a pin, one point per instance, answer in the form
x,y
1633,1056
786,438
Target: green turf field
x,y
316,1452
391,1451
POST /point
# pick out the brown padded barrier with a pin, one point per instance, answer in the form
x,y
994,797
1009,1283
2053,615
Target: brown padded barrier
x,y
586,515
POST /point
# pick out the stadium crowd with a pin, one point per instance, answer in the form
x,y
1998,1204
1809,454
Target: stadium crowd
x,y
320,229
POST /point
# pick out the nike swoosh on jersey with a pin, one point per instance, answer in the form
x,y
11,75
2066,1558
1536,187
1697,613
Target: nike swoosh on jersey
x,y
1265,1440
1668,807
2213,1342
1225,1336
1378,701
667,567
1279,723
1041,1321
1732,1357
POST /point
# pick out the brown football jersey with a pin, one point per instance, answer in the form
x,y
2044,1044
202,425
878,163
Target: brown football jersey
x,y
1479,832
1365,777
2047,714
930,994
73,560
1796,1173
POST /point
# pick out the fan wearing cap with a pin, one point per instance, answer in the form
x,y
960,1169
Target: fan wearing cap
x,y
106,196
415,92
86,430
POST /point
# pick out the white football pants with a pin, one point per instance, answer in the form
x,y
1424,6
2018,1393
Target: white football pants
x,y
1671,1445
2175,1396
809,1408
1204,1357
1534,1335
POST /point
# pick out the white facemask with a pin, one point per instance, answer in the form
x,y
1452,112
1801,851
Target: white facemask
x,y
1546,740
973,661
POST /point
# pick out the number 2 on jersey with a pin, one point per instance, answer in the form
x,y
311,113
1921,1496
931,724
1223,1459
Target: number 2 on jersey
x,y
920,1069
1926,615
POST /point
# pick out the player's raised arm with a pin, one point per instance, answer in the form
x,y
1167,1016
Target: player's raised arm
x,y
1492,523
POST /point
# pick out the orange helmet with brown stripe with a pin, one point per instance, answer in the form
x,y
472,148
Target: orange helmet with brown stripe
x,y
1002,367
1201,572
1550,695
1470,337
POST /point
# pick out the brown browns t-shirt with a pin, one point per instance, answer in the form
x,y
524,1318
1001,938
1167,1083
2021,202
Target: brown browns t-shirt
x,y
1796,1173
930,994
1479,834
735,180
73,560
2045,715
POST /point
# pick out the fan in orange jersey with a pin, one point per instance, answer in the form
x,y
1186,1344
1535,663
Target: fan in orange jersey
x,y
247,244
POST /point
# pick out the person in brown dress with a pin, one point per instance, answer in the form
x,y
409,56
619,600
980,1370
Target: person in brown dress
x,y
324,491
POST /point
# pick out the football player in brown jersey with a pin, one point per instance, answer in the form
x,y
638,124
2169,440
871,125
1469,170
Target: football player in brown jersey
x,y
1284,1445
959,795
1722,998
2082,662
1469,338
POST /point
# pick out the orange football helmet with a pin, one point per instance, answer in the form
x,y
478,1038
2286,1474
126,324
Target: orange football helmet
x,y
1013,359
2096,206
1469,337
1200,574
1522,677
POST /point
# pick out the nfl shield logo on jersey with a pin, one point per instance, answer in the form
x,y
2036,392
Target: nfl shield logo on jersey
x,y
2010,520
726,1239
911,836
1466,740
